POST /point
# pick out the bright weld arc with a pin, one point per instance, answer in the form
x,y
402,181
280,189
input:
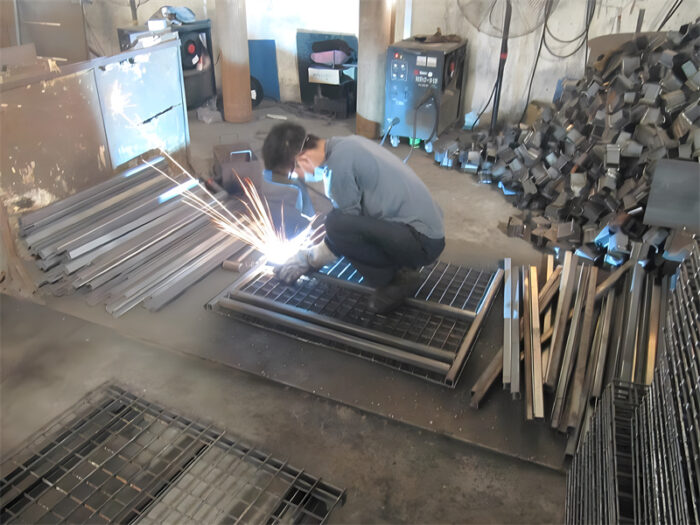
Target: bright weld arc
x,y
254,227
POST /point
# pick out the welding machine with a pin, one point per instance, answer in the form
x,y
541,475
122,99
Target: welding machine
x,y
423,89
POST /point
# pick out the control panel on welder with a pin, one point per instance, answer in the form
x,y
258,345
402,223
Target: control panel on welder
x,y
416,70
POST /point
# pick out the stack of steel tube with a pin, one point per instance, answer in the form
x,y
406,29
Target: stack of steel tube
x,y
648,461
127,241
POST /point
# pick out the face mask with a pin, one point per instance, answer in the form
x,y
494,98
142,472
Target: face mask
x,y
317,176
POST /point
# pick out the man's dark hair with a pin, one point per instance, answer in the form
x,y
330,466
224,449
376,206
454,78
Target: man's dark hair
x,y
283,143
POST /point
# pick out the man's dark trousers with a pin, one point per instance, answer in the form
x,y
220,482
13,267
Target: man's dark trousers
x,y
379,248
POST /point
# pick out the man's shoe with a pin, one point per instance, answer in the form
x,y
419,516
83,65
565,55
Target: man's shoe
x,y
388,298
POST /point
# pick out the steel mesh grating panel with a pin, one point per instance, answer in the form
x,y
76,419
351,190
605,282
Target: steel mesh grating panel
x,y
331,300
443,283
116,457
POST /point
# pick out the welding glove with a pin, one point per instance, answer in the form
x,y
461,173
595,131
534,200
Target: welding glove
x,y
305,261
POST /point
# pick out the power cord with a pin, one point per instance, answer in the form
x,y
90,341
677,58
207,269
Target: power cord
x,y
670,13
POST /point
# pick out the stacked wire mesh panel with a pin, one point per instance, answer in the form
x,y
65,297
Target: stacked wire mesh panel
x,y
639,460
117,457
130,240
430,336
667,437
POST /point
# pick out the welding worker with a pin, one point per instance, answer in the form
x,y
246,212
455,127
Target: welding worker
x,y
384,220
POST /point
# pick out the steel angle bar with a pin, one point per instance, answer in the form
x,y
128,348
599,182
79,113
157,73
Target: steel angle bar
x,y
119,246
161,271
536,349
114,249
612,279
86,197
527,343
169,291
569,351
507,321
515,334
486,379
549,272
463,353
152,269
350,329
566,290
122,220
162,249
603,342
149,237
549,290
80,246
334,335
584,351
105,205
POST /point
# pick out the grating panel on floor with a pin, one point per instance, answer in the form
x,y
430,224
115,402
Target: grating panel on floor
x,y
442,283
116,457
430,335
332,300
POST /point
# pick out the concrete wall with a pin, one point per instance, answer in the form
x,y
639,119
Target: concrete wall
x,y
280,20
566,21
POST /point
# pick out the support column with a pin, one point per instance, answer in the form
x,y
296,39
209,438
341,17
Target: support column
x,y
232,33
375,36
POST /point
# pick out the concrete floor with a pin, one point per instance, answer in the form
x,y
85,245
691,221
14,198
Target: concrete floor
x,y
50,360
393,473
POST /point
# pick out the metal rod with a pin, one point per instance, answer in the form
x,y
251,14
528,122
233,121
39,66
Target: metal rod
x,y
527,342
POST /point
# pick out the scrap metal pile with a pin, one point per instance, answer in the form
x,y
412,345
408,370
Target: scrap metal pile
x,y
569,331
129,240
582,171
640,458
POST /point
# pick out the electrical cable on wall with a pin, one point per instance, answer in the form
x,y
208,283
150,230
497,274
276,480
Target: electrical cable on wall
x,y
671,12
583,36
547,8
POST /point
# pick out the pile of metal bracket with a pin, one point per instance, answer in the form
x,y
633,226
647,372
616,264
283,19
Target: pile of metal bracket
x,y
128,240
569,331
431,336
640,458
582,171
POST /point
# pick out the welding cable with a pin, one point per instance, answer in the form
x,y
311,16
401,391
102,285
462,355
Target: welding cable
x,y
590,10
547,8
429,95
393,123
670,13
488,102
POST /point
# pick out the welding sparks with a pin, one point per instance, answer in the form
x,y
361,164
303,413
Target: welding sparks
x,y
253,225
